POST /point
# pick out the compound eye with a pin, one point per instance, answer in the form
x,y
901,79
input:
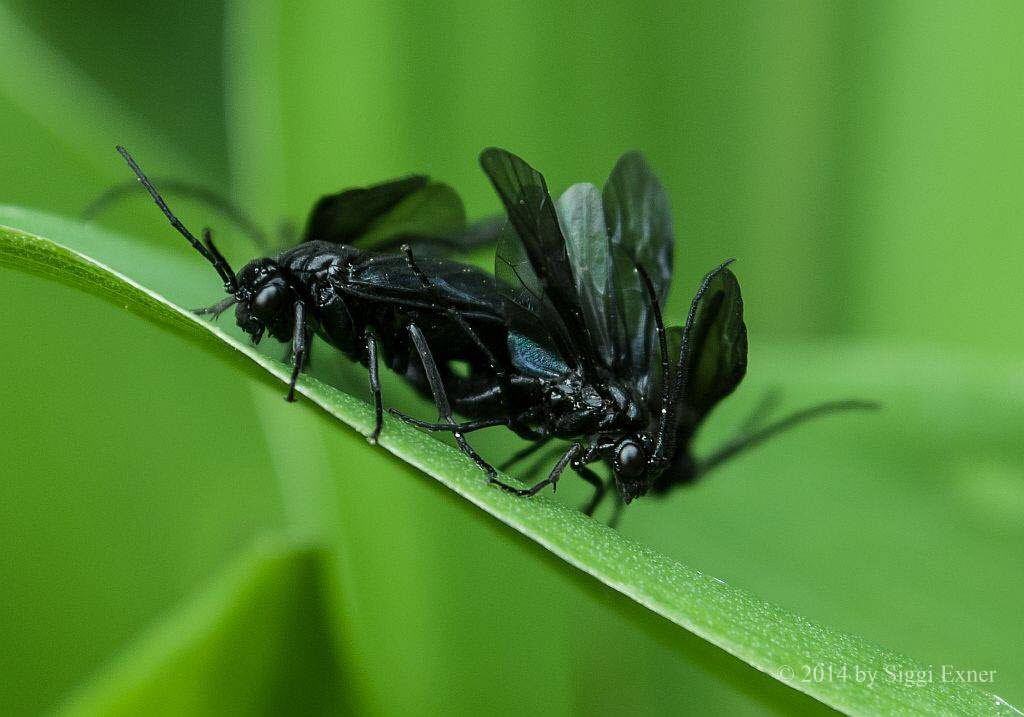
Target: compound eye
x,y
268,302
630,461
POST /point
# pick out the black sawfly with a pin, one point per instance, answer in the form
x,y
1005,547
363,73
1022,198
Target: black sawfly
x,y
418,314
583,281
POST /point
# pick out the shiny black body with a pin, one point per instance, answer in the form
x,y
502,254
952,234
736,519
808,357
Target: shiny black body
x,y
583,280
350,293
417,314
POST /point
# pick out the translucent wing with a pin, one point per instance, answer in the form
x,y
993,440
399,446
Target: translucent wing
x,y
639,219
581,217
635,336
639,225
616,305
472,292
480,233
713,357
538,341
410,207
551,284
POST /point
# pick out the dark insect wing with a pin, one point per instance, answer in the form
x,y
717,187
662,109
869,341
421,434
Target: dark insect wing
x,y
571,276
552,286
435,211
640,226
614,300
582,221
343,217
639,220
637,340
538,341
388,277
482,232
713,356
616,305
413,206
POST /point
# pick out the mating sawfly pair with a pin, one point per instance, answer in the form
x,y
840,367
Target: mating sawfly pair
x,y
565,341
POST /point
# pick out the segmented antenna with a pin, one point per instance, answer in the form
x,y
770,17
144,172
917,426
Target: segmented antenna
x,y
207,249
750,440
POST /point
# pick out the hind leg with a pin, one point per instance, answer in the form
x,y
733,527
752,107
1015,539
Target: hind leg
x,y
493,364
441,399
378,401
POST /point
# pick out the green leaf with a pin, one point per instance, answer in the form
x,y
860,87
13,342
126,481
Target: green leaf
x,y
763,635
221,653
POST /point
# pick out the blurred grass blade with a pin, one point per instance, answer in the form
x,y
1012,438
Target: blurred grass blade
x,y
767,637
256,135
222,653
65,100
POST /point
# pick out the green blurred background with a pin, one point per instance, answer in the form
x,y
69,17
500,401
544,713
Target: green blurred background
x,y
863,161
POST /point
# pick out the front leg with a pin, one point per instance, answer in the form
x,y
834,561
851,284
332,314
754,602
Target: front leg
x,y
600,488
568,457
300,348
524,453
374,370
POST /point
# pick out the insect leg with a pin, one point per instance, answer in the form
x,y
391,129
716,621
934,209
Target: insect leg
x,y
499,372
500,375
441,398
457,318
378,402
574,450
467,427
300,348
600,487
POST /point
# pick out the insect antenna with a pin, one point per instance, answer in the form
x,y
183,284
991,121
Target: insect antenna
x,y
750,440
208,250
762,410
219,262
206,196
666,365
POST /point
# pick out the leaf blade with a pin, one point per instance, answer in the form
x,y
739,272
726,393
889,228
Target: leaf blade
x,y
220,652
